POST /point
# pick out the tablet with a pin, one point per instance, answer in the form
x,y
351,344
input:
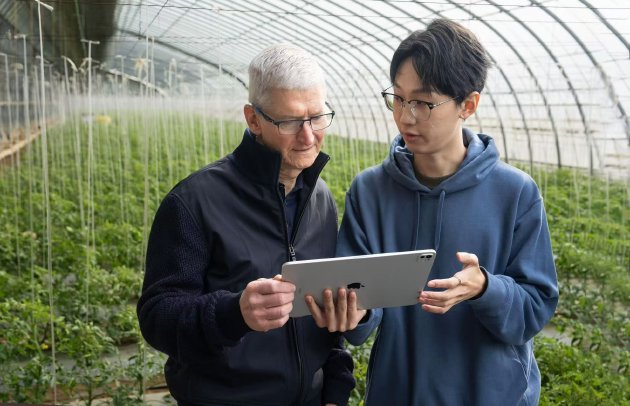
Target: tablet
x,y
380,280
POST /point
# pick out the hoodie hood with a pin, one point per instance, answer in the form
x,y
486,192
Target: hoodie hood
x,y
481,157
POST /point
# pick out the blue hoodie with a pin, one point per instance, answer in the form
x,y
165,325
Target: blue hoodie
x,y
480,351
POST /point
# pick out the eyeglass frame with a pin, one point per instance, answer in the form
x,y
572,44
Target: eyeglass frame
x,y
412,107
310,123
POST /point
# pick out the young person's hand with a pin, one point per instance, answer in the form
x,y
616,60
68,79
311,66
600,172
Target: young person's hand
x,y
266,303
466,284
341,316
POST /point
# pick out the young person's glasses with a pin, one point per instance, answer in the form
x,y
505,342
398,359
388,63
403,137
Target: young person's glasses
x,y
292,127
419,109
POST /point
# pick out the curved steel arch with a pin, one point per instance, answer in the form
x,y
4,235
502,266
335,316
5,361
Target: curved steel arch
x,y
625,43
365,43
494,104
501,127
188,54
339,33
357,60
391,20
603,75
329,77
534,77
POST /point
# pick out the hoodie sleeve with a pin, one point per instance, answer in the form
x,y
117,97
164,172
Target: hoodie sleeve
x,y
175,316
352,241
519,302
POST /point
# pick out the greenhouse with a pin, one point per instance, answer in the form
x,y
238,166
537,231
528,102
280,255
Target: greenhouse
x,y
106,105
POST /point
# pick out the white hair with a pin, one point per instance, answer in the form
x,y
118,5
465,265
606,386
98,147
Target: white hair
x,y
283,66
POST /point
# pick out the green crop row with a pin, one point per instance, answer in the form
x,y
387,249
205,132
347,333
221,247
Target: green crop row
x,y
72,252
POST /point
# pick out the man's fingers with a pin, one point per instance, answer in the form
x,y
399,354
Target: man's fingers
x,y
342,310
277,312
352,301
271,300
467,259
446,298
354,315
261,318
329,310
447,283
269,286
316,312
435,309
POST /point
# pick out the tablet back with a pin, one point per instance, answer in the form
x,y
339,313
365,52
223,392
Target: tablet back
x,y
380,280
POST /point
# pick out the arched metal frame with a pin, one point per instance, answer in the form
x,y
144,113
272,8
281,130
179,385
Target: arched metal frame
x,y
355,39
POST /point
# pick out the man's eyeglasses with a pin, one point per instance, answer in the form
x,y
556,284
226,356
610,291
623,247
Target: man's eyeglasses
x,y
419,109
292,127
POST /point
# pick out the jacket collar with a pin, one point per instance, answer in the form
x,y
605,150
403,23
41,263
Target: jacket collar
x,y
262,164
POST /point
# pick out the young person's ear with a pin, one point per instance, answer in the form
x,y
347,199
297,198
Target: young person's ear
x,y
252,119
469,105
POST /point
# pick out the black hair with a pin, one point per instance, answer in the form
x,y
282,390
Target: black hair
x,y
448,58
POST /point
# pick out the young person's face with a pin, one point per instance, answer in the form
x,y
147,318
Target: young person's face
x,y
442,131
298,150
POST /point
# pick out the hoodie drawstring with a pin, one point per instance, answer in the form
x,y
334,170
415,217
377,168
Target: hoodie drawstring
x,y
414,245
438,221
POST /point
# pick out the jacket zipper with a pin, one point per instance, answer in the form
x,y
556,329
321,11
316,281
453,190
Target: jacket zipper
x,y
293,327
293,257
292,252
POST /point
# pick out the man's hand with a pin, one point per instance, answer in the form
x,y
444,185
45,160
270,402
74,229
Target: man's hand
x,y
266,303
342,316
465,284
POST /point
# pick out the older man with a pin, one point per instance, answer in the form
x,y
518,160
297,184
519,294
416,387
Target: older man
x,y
212,298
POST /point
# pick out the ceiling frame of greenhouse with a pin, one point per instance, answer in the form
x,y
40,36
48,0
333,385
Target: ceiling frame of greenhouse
x,y
557,93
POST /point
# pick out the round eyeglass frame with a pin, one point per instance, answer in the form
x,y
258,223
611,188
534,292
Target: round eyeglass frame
x,y
280,123
411,104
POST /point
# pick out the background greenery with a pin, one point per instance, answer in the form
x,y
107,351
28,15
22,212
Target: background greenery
x,y
103,186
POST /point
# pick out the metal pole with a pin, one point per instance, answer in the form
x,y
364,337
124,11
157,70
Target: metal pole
x,y
25,90
8,83
122,69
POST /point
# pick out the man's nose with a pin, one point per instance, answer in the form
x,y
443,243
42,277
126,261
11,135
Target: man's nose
x,y
306,133
407,114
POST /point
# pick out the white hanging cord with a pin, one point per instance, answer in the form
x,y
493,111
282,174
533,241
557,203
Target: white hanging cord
x,y
47,197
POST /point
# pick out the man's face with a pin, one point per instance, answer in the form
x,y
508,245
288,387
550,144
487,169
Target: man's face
x,y
299,150
442,132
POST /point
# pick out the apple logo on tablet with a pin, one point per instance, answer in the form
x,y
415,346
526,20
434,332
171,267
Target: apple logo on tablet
x,y
355,285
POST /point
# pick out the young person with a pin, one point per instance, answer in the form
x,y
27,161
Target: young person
x,y
493,286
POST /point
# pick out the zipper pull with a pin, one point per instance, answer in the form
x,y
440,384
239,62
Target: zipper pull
x,y
292,252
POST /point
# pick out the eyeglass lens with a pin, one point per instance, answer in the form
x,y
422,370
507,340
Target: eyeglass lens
x,y
294,126
421,111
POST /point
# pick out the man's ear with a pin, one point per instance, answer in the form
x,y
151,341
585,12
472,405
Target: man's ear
x,y
469,105
252,119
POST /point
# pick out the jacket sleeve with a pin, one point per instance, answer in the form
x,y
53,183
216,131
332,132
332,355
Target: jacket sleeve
x,y
338,378
519,302
175,316
352,241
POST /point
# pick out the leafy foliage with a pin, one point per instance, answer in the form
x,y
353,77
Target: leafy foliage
x,y
101,205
